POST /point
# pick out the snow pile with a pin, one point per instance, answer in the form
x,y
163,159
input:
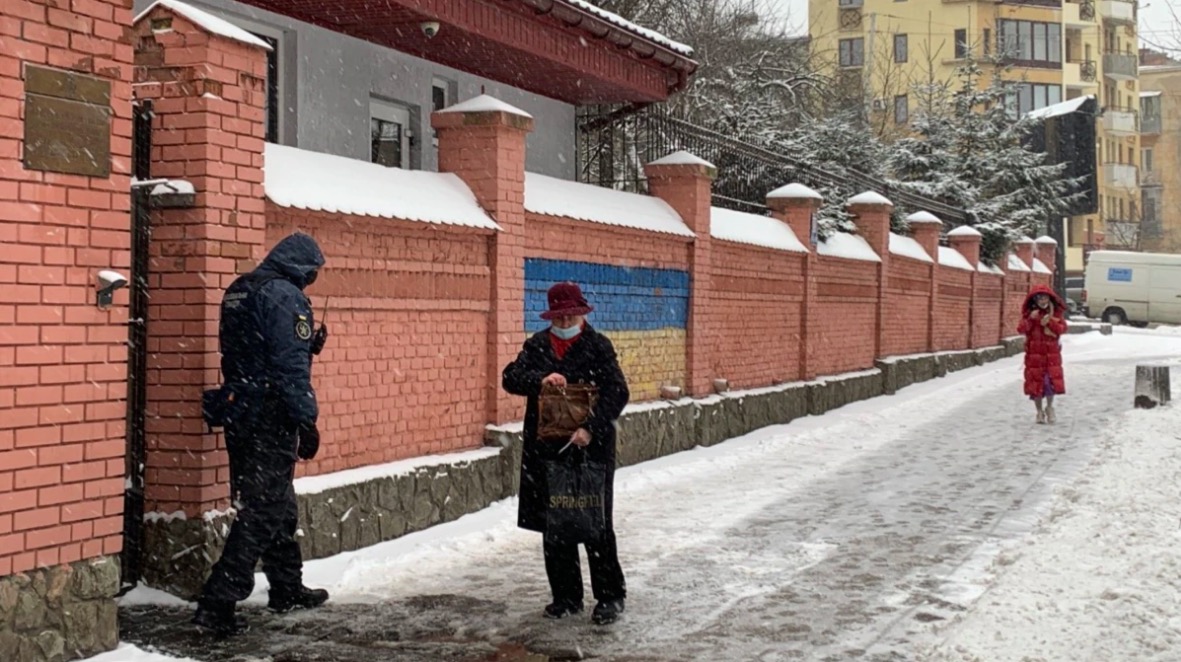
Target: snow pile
x,y
622,22
1058,109
753,229
129,653
207,22
174,187
950,257
1016,264
558,197
848,246
1102,578
302,179
908,247
1040,267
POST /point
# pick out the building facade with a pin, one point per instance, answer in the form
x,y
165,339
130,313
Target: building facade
x,y
1160,156
1057,51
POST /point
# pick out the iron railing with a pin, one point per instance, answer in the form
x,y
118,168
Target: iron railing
x,y
1088,71
615,144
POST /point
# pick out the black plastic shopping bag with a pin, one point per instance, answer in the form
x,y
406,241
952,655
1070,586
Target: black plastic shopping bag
x,y
575,512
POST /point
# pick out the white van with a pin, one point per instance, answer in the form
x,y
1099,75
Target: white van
x,y
1140,288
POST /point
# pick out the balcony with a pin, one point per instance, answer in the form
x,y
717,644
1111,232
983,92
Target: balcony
x,y
1150,125
1081,75
1120,122
1120,66
1118,11
1120,175
1079,14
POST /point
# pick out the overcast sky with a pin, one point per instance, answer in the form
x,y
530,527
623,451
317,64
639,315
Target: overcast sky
x,y
1157,25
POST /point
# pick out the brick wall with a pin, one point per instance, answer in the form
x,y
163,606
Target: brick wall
x,y
952,320
62,361
986,311
908,303
846,325
401,375
754,317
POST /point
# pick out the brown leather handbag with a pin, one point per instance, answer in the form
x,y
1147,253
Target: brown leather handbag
x,y
564,409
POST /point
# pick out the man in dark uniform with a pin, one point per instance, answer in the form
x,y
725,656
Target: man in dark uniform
x,y
267,343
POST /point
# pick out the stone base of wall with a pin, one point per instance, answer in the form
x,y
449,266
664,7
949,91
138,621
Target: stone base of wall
x,y
181,552
61,613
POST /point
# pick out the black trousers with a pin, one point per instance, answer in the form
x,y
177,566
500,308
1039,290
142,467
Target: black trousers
x,y
261,484
564,570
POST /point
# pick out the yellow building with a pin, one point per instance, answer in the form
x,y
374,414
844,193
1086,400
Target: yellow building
x,y
888,51
1160,157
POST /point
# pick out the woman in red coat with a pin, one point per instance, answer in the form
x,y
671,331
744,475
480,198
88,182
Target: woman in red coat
x,y
1043,322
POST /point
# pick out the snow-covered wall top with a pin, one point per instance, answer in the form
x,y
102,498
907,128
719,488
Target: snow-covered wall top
x,y
753,229
794,192
848,246
208,22
989,269
1015,264
950,257
908,247
483,104
584,202
965,231
1040,267
923,217
324,182
632,27
682,158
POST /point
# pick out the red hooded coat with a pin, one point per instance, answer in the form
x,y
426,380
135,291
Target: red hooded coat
x,y
1043,351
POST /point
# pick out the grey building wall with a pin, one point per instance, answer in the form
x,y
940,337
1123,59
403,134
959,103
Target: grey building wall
x,y
328,78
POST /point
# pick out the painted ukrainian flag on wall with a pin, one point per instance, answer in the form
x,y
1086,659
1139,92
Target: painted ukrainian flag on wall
x,y
643,311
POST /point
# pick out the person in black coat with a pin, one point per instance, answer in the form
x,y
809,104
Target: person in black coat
x,y
270,412
571,352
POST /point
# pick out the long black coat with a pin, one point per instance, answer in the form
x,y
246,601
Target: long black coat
x,y
590,360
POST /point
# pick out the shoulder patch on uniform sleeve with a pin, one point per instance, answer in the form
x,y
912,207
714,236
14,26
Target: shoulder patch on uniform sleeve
x,y
303,329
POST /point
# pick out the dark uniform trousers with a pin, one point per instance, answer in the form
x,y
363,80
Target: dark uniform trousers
x,y
564,569
261,475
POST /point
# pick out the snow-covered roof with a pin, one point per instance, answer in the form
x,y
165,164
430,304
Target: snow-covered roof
x,y
682,158
989,269
1024,240
631,27
753,229
207,22
1046,240
1016,264
1064,108
323,182
848,246
869,198
485,104
794,192
950,257
559,197
1155,93
923,217
908,247
1040,267
965,231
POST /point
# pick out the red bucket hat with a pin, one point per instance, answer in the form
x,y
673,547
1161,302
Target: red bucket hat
x,y
566,299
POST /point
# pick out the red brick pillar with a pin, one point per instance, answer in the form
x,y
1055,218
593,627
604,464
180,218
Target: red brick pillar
x,y
1024,250
208,92
871,212
966,241
926,228
64,216
685,182
1046,249
796,205
483,142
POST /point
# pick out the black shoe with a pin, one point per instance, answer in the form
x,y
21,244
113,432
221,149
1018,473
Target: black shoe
x,y
607,612
282,600
218,617
562,610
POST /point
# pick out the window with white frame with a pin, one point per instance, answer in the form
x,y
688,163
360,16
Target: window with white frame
x,y
389,133
442,96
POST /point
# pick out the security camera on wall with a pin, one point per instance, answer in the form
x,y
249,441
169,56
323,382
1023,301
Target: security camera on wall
x,y
108,282
430,28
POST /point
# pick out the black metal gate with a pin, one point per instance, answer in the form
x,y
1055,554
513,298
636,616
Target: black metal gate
x,y
137,341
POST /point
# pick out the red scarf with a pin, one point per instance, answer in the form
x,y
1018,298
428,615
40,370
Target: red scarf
x,y
562,346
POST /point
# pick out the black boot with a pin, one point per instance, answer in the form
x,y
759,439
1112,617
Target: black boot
x,y
557,610
607,612
218,617
302,597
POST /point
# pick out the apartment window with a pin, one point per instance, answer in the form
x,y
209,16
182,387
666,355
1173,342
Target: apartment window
x,y
1121,208
901,46
961,44
442,96
1031,43
901,109
1032,96
1149,209
389,132
1146,159
852,52
987,41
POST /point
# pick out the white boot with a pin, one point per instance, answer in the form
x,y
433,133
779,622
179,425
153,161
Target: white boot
x,y
1041,417
1050,417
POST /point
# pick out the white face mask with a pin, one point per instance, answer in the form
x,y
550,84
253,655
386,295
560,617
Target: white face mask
x,y
567,333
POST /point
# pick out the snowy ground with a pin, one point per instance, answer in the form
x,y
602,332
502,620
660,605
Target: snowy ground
x,y
938,525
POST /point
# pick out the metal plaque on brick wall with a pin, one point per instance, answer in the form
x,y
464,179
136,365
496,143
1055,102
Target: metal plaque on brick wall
x,y
67,122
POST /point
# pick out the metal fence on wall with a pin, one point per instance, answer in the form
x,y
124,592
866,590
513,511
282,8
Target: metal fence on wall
x,y
614,145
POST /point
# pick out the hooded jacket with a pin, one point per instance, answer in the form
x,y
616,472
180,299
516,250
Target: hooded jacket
x,y
266,330
1043,350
